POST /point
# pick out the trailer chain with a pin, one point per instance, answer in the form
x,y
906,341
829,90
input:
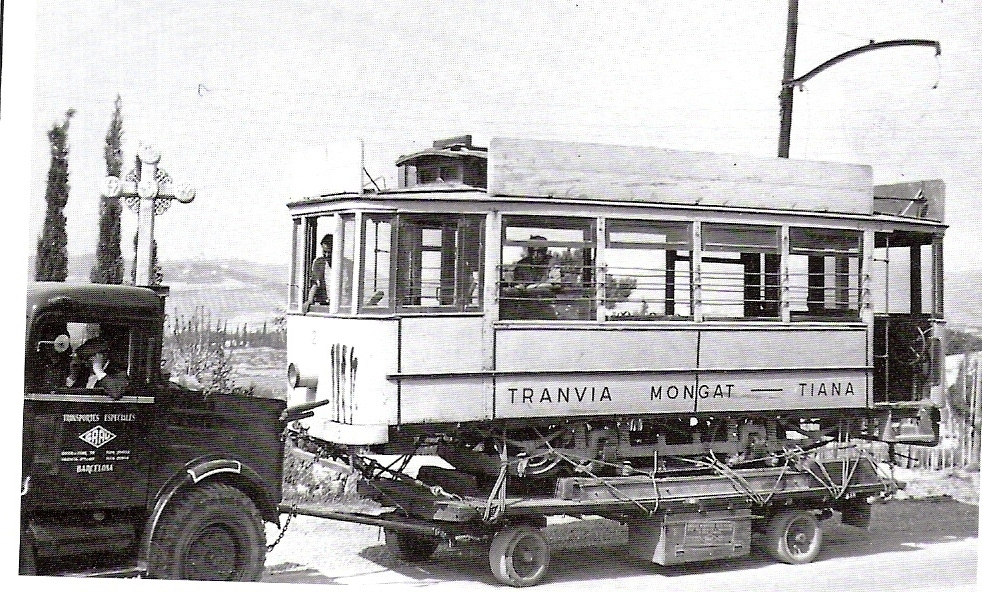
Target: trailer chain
x,y
293,506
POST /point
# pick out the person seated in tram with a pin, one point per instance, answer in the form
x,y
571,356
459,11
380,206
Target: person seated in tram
x,y
320,275
535,279
93,366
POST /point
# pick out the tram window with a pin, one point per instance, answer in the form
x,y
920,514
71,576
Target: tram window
x,y
903,273
547,269
312,265
740,268
439,262
297,282
376,261
823,273
648,270
347,262
438,174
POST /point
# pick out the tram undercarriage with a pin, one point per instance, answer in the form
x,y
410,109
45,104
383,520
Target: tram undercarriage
x,y
619,446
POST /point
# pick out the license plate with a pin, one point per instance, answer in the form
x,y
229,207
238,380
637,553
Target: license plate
x,y
708,534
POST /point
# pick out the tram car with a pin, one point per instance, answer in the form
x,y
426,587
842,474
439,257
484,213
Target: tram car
x,y
583,307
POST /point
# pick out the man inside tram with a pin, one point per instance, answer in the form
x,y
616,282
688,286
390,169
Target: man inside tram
x,y
535,279
320,275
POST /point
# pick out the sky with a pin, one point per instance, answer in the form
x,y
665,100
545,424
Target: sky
x,y
228,91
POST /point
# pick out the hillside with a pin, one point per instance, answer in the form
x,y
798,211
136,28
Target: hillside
x,y
235,291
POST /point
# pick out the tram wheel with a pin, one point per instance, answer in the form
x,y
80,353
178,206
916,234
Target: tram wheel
x,y
793,536
412,548
519,556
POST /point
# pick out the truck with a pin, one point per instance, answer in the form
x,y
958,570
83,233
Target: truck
x,y
129,473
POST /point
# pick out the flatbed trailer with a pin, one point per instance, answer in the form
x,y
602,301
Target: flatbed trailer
x,y
717,513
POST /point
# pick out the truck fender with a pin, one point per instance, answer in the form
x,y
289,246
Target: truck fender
x,y
195,472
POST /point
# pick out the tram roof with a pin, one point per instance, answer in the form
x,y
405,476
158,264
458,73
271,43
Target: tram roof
x,y
626,175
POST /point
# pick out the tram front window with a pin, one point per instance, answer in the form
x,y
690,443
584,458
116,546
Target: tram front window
x,y
347,262
377,261
547,270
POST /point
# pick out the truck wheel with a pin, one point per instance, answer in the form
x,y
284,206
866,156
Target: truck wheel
x,y
214,532
27,565
519,556
793,536
410,547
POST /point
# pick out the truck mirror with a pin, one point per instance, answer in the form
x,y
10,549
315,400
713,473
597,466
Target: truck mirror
x,y
62,343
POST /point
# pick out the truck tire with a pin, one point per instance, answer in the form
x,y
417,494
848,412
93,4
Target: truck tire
x,y
26,564
213,532
793,536
410,547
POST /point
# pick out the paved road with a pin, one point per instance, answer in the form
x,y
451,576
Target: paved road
x,y
910,546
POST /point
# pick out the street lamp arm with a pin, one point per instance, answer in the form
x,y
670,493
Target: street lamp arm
x,y
862,49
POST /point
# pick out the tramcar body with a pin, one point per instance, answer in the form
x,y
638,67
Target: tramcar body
x,y
659,299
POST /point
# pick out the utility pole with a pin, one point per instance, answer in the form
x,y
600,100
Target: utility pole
x,y
787,89
788,81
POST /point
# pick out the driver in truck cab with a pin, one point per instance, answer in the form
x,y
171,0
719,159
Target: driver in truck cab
x,y
93,367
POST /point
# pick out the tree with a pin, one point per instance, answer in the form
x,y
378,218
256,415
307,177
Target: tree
x,y
108,268
52,246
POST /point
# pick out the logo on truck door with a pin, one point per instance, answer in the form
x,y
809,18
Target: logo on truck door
x,y
97,436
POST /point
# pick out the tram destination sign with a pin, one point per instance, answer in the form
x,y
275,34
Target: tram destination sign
x,y
577,394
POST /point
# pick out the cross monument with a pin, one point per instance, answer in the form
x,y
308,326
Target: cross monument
x,y
148,192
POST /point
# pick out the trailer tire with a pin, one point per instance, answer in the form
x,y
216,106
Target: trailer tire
x,y
412,548
793,536
519,556
213,532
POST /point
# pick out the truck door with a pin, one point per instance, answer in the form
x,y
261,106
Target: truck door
x,y
85,437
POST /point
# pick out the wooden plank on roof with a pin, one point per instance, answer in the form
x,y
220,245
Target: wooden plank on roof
x,y
923,200
537,168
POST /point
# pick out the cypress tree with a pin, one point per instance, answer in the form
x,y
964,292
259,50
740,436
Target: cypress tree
x,y
108,268
52,246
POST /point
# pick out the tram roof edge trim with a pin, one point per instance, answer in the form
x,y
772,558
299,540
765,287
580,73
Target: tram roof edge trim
x,y
540,168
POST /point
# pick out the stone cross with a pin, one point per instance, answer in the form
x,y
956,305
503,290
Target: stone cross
x,y
149,196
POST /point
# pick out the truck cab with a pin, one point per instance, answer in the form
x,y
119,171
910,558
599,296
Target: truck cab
x,y
124,471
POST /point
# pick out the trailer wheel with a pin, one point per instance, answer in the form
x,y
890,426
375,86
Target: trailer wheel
x,y
214,532
793,536
519,556
410,547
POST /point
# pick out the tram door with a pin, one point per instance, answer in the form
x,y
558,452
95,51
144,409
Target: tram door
x,y
907,302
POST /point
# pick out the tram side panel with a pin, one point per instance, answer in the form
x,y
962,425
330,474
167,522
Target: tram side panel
x,y
583,372
749,370
440,370
565,371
